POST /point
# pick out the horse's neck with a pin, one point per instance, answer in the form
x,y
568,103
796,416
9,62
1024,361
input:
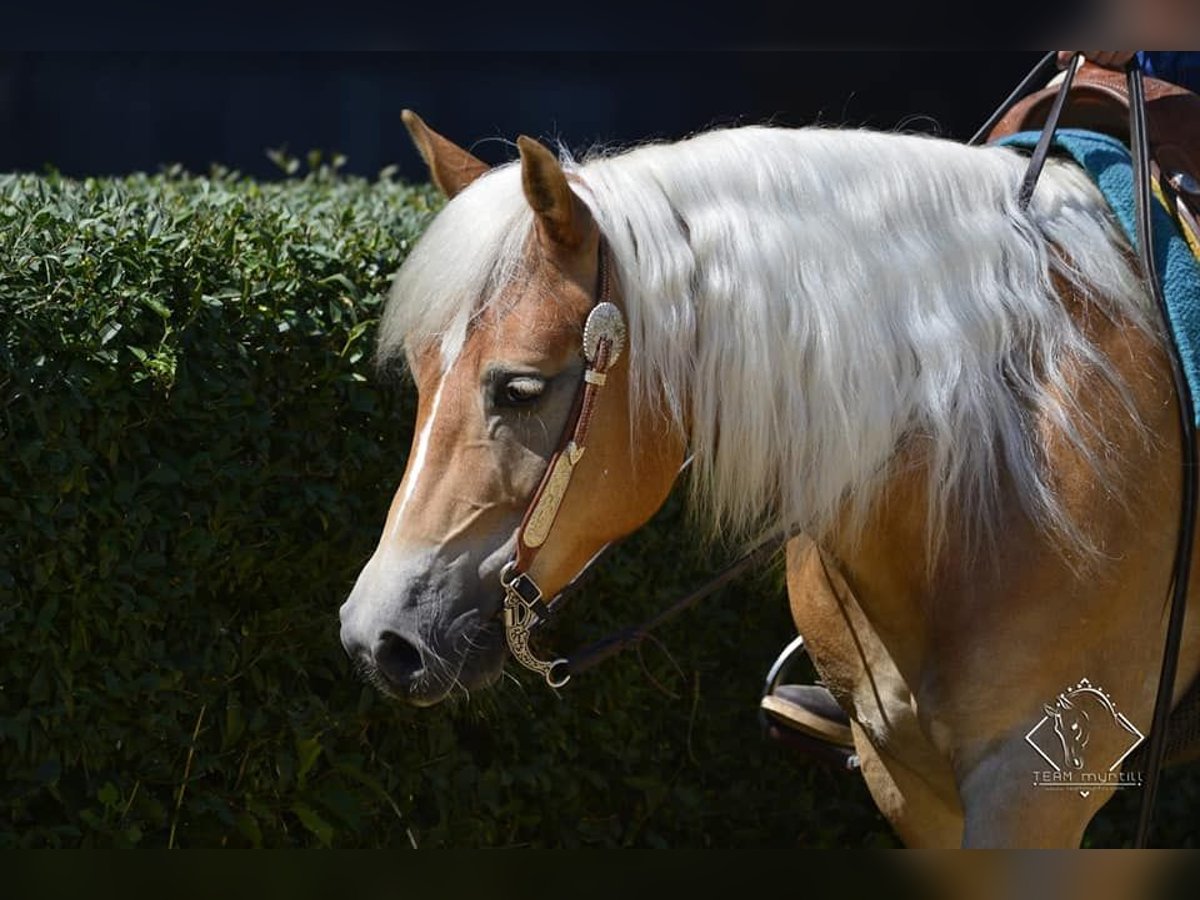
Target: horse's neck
x,y
985,596
885,564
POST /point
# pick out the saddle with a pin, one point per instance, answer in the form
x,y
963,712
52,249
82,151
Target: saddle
x,y
1099,101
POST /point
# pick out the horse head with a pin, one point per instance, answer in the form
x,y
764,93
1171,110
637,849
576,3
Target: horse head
x,y
496,387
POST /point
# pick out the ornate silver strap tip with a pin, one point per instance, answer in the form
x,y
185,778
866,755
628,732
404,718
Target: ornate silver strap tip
x,y
520,615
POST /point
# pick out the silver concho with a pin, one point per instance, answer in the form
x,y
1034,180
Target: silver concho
x,y
604,321
1184,183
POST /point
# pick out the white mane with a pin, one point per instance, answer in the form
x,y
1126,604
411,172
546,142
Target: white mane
x,y
804,299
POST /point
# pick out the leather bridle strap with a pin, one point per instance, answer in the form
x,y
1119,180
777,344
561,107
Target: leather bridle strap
x,y
1156,744
524,608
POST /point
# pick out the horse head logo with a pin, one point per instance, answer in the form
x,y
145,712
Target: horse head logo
x,y
1072,724
1080,715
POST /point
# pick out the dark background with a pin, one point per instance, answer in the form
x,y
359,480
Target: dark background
x,y
115,112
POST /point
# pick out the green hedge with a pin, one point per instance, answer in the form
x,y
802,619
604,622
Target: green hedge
x,y
195,460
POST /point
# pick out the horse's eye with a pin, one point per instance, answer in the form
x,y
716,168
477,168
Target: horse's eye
x,y
520,390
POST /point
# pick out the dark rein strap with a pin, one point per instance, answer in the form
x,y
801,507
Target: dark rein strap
x,y
1038,76
1181,570
1037,161
1156,744
593,654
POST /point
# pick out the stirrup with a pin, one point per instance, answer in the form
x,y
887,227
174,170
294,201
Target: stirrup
x,y
806,717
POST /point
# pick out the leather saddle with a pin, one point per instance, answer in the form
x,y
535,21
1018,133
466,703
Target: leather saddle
x,y
1099,101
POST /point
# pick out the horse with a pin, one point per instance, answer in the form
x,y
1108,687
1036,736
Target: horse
x,y
862,338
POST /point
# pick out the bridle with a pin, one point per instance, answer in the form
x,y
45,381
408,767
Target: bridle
x,y
525,607
604,336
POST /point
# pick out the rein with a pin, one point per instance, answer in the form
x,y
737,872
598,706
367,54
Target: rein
x,y
1181,571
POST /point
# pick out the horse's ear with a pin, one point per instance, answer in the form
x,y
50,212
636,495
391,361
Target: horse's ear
x,y
1050,710
450,166
562,217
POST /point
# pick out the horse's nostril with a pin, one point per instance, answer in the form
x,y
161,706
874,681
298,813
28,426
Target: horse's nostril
x,y
398,660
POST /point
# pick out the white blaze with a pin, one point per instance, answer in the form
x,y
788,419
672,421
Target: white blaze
x,y
418,460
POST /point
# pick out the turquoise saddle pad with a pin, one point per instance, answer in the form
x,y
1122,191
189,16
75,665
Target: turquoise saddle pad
x,y
1108,162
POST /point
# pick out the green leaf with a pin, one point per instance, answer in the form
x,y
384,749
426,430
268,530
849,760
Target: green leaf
x,y
313,822
235,725
155,304
340,279
308,751
248,826
108,794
